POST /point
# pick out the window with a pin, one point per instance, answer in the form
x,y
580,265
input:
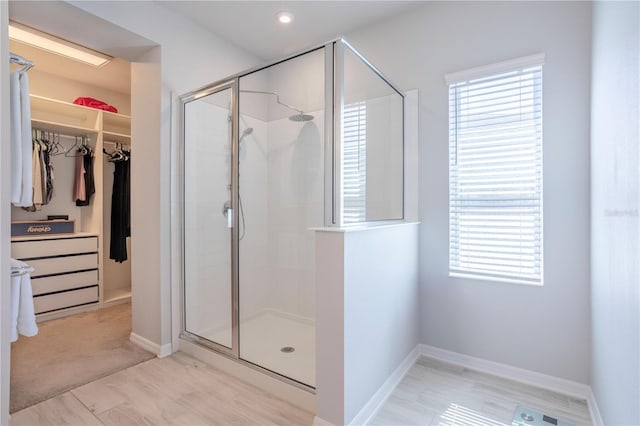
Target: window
x,y
495,172
355,162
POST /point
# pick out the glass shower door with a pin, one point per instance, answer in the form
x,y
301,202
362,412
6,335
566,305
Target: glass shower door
x,y
208,218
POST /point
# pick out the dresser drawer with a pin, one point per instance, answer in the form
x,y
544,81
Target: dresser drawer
x,y
66,299
56,247
64,282
58,265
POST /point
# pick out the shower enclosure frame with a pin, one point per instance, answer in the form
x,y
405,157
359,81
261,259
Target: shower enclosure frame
x,y
333,97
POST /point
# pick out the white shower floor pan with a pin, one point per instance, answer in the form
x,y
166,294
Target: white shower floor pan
x,y
262,338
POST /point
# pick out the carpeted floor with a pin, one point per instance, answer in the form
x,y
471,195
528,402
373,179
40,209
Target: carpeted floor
x,y
70,352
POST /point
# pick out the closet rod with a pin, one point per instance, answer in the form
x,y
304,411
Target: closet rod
x,y
127,144
58,133
17,59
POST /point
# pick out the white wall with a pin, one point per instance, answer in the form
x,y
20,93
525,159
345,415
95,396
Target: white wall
x,y
255,286
295,205
481,318
615,202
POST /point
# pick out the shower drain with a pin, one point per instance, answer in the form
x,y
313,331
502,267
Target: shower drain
x,y
287,349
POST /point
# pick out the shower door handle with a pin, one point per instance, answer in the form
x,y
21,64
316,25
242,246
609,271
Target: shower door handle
x,y
227,211
230,218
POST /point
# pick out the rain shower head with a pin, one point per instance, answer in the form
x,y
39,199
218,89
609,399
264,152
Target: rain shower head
x,y
301,117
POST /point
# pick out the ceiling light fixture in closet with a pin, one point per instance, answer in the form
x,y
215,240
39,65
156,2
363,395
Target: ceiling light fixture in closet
x,y
56,45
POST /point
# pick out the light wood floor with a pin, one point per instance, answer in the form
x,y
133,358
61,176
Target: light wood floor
x,y
177,390
436,393
180,390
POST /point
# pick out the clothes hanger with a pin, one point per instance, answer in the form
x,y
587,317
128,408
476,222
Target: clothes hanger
x,y
56,147
44,143
81,150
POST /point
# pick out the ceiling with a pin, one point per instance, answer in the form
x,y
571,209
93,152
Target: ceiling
x,y
252,25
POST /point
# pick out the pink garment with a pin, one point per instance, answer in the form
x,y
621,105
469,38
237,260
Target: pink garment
x,y
79,189
95,103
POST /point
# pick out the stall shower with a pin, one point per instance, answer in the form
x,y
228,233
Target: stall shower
x,y
258,176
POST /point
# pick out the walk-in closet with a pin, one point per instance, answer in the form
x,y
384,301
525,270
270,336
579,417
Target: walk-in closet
x,y
70,214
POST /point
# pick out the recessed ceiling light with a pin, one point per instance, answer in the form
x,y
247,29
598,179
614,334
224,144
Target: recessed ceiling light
x,y
56,45
284,17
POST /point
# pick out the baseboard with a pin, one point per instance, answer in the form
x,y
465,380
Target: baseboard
x,y
371,408
596,418
146,344
555,384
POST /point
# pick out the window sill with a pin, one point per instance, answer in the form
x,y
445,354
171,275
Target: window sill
x,y
495,279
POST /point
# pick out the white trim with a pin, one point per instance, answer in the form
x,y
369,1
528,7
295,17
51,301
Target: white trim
x,y
371,408
146,344
596,418
555,384
497,68
495,279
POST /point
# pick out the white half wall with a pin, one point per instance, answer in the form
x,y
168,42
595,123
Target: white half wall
x,y
480,318
380,308
615,202
367,295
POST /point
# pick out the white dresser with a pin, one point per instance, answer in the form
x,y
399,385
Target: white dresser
x,y
66,271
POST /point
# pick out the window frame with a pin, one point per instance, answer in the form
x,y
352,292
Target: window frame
x,y
488,72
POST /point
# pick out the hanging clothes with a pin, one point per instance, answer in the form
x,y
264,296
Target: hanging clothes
x,y
21,146
89,182
37,177
42,177
79,190
48,167
120,209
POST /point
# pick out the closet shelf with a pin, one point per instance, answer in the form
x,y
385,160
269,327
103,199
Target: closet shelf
x,y
116,123
63,113
115,137
78,120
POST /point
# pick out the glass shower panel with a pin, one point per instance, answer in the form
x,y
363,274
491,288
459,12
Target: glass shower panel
x,y
372,140
281,187
207,236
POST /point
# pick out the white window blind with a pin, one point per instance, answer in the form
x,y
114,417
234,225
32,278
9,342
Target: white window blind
x,y
495,177
355,162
